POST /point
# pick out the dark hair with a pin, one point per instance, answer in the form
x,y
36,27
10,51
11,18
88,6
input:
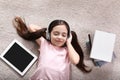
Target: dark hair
x,y
23,31
78,49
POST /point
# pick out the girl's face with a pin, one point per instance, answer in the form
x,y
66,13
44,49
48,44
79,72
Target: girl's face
x,y
59,35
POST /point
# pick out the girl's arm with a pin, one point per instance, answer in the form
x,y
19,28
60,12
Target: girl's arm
x,y
34,28
73,55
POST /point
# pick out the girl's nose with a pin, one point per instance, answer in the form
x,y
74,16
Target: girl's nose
x,y
60,36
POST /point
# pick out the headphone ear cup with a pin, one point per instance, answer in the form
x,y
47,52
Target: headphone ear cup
x,y
47,36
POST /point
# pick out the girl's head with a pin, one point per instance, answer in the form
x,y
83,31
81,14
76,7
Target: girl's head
x,y
58,32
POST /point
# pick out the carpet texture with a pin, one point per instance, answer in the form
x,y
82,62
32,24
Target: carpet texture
x,y
83,16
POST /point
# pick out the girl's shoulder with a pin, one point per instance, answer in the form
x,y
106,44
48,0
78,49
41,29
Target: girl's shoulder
x,y
44,41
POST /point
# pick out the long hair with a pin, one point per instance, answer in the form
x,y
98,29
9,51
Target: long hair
x,y
24,32
78,49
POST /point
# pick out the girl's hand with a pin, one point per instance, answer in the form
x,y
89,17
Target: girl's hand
x,y
73,55
69,40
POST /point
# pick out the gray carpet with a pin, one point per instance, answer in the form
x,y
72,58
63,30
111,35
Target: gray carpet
x,y
83,16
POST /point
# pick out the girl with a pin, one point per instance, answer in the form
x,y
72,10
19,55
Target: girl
x,y
58,48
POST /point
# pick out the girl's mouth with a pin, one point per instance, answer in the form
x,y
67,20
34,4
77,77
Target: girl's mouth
x,y
59,41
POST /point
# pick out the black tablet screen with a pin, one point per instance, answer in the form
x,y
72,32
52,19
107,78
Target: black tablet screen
x,y
18,57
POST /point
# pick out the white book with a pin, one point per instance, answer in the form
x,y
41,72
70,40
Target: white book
x,y
103,46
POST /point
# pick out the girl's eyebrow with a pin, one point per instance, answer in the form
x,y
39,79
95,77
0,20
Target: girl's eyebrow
x,y
64,33
55,32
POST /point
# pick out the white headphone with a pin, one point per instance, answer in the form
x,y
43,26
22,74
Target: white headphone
x,y
47,34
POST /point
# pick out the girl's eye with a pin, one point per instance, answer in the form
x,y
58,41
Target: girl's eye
x,y
56,33
64,35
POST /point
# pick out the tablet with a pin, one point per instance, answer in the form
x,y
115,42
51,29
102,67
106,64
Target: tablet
x,y
103,46
17,56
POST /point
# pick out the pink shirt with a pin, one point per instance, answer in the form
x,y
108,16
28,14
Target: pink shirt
x,y
53,63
